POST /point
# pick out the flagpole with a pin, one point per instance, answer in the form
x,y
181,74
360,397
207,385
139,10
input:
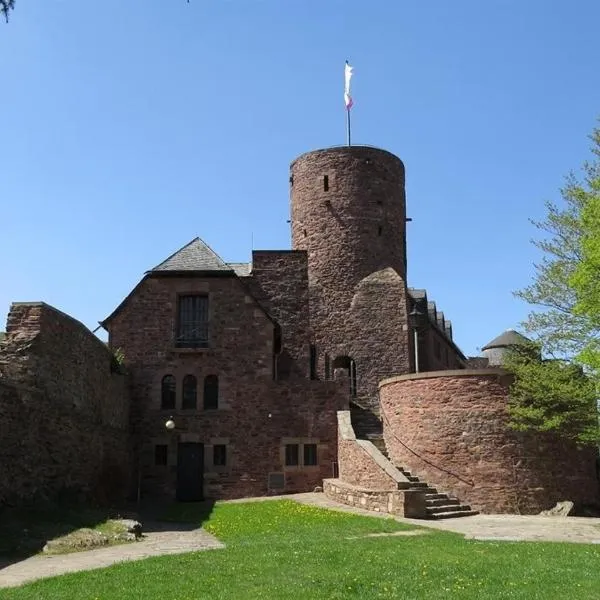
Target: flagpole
x,y
349,131
348,100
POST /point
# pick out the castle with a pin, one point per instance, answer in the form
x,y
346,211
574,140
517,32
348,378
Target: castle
x,y
315,366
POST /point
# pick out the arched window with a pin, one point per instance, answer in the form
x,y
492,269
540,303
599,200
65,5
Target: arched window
x,y
348,364
188,397
211,392
168,392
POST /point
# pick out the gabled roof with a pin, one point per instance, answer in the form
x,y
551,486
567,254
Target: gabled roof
x,y
509,338
196,259
195,256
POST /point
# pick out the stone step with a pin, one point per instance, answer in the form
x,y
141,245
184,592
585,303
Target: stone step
x,y
453,514
419,484
448,507
435,496
444,500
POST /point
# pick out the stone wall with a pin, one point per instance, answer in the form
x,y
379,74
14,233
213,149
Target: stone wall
x,y
367,479
348,213
403,503
279,282
258,420
360,463
450,429
257,415
64,411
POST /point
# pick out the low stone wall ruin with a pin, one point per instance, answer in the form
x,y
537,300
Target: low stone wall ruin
x,y
64,411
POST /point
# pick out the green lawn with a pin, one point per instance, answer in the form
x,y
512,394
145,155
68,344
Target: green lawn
x,y
280,549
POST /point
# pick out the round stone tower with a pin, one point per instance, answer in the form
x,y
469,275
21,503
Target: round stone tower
x,y
348,211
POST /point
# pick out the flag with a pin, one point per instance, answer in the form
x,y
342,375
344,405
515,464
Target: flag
x,y
347,76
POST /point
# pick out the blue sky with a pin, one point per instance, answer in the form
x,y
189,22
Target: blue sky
x,y
128,130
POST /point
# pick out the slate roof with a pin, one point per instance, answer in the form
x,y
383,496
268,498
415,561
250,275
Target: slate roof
x,y
509,338
195,256
241,269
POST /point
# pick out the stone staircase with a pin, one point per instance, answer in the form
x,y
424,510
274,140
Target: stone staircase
x,y
367,426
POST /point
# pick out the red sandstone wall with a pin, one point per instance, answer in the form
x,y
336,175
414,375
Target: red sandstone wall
x,y
458,423
240,354
354,234
63,414
279,282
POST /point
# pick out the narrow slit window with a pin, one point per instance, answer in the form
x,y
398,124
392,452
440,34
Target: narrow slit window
x,y
325,183
380,230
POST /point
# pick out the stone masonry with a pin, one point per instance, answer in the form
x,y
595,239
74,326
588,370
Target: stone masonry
x,y
451,428
64,410
251,364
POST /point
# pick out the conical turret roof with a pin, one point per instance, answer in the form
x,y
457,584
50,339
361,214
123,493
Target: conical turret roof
x,y
509,338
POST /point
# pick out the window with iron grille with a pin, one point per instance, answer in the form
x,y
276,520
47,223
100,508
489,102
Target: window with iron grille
x,y
168,392
192,322
219,455
189,392
292,455
310,455
211,392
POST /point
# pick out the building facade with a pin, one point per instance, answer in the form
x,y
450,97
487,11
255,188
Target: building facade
x,y
315,365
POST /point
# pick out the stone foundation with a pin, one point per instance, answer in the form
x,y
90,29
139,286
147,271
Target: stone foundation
x,y
403,503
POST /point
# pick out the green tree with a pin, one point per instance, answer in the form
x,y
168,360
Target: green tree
x,y
560,395
5,6
551,395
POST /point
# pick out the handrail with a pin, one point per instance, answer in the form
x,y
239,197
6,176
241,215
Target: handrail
x,y
468,482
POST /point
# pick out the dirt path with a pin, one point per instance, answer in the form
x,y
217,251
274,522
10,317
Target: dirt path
x,y
161,539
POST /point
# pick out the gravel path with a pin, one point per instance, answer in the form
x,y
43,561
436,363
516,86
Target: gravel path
x,y
521,528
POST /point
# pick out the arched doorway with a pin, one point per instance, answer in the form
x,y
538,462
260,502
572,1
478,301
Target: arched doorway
x,y
349,365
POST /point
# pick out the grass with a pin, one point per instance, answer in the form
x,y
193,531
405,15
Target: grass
x,y
284,550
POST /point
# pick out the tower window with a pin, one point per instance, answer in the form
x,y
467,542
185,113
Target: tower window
x,y
325,183
380,230
305,234
313,361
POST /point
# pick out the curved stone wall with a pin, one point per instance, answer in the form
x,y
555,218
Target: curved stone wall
x,y
348,212
449,428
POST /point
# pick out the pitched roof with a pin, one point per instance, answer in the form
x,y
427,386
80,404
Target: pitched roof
x,y
195,256
241,269
509,338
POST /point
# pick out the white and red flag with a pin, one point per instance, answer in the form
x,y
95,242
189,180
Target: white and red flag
x,y
347,77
